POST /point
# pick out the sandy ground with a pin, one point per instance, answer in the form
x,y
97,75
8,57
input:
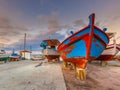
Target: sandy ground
x,y
29,75
32,75
98,78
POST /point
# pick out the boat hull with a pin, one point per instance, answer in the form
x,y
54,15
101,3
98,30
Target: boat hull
x,y
50,54
109,53
14,59
78,48
105,57
51,57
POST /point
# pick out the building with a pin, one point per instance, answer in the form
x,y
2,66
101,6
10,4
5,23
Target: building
x,y
25,54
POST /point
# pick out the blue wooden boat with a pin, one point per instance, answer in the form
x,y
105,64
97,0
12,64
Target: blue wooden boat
x,y
49,49
111,50
14,56
85,45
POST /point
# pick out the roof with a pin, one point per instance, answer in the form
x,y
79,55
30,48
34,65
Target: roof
x,y
25,51
52,42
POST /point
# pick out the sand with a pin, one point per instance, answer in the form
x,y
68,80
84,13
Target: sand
x,y
31,75
38,75
98,78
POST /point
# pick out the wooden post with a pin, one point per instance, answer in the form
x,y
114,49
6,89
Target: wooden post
x,y
80,73
30,51
65,66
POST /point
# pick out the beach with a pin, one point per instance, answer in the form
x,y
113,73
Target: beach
x,y
31,75
42,75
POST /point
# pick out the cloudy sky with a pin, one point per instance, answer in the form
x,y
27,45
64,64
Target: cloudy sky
x,y
43,19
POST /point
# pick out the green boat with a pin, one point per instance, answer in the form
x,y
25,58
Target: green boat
x,y
3,56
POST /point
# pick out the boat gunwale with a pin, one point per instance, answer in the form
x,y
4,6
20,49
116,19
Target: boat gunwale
x,y
74,34
85,34
94,35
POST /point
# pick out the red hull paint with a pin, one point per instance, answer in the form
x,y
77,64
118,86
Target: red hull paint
x,y
106,57
73,35
14,59
51,57
79,61
83,30
84,37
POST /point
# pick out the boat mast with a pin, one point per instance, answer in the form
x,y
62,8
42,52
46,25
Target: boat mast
x,y
30,51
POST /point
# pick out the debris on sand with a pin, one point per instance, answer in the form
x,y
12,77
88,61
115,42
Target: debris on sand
x,y
39,64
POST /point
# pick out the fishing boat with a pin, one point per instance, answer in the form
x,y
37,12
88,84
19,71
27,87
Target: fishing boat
x,y
49,49
3,56
111,49
84,45
14,56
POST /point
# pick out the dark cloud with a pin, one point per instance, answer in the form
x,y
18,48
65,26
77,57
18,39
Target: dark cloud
x,y
7,24
80,23
97,23
9,30
49,27
116,18
54,28
51,23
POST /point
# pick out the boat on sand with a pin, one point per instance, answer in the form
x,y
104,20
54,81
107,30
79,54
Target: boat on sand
x,y
84,45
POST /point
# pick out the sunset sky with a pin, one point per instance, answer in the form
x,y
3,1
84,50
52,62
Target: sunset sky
x,y
43,19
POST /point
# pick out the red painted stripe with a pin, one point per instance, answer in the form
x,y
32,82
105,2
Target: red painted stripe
x,y
83,30
74,34
78,38
100,39
105,57
91,33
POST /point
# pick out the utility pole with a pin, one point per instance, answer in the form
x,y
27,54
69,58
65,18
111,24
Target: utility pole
x,y
24,44
30,51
